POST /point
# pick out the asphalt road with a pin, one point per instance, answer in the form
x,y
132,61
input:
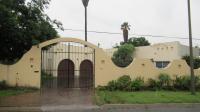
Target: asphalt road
x,y
109,108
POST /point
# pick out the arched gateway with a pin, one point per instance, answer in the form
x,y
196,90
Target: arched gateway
x,y
67,64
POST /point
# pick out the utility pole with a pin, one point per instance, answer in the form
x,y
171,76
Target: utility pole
x,y
191,51
85,4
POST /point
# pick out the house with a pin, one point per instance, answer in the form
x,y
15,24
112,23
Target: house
x,y
161,53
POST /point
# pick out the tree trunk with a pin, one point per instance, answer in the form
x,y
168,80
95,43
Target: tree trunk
x,y
125,34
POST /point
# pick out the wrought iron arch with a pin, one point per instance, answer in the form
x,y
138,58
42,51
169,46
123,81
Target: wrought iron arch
x,y
61,61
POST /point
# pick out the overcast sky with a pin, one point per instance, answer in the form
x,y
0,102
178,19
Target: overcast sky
x,y
146,17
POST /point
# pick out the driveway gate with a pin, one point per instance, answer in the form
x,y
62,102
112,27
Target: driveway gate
x,y
67,65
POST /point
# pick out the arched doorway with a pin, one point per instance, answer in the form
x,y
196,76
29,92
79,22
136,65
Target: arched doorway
x,y
65,74
86,74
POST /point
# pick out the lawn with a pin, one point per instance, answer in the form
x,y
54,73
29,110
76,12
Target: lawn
x,y
145,97
15,91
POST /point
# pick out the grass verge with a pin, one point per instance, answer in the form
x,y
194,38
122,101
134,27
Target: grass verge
x,y
15,91
145,97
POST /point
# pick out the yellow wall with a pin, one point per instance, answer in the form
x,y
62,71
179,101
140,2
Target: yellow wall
x,y
26,72
167,51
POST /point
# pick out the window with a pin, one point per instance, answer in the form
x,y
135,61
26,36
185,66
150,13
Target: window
x,y
162,64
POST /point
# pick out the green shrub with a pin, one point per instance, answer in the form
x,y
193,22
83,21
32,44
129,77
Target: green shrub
x,y
102,88
123,83
3,85
182,83
196,61
154,84
198,82
137,84
123,56
164,80
112,86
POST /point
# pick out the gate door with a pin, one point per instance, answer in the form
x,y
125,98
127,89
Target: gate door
x,y
65,74
86,74
67,65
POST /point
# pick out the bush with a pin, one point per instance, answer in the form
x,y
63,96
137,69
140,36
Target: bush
x,y
154,84
164,80
112,86
123,56
182,83
101,88
137,84
198,82
3,85
123,83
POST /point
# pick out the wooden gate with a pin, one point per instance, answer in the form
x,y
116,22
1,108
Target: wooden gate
x,y
86,74
66,74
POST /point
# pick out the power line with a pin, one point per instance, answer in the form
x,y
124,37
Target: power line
x,y
137,35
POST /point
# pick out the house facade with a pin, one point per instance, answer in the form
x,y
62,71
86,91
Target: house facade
x,y
161,53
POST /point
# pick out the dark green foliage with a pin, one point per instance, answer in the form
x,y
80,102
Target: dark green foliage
x,y
164,80
101,88
112,85
3,85
182,82
45,77
137,84
154,84
123,83
196,61
136,42
123,56
22,24
198,83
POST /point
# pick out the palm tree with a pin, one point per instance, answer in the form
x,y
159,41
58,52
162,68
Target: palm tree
x,y
125,27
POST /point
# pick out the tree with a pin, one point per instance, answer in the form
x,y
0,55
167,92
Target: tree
x,y
136,42
125,27
23,24
124,55
196,61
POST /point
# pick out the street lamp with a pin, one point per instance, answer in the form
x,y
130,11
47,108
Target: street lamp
x,y
191,51
85,3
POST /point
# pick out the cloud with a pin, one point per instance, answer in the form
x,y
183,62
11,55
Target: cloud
x,y
157,17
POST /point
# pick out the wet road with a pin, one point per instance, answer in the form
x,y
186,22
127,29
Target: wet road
x,y
78,100
50,97
119,108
